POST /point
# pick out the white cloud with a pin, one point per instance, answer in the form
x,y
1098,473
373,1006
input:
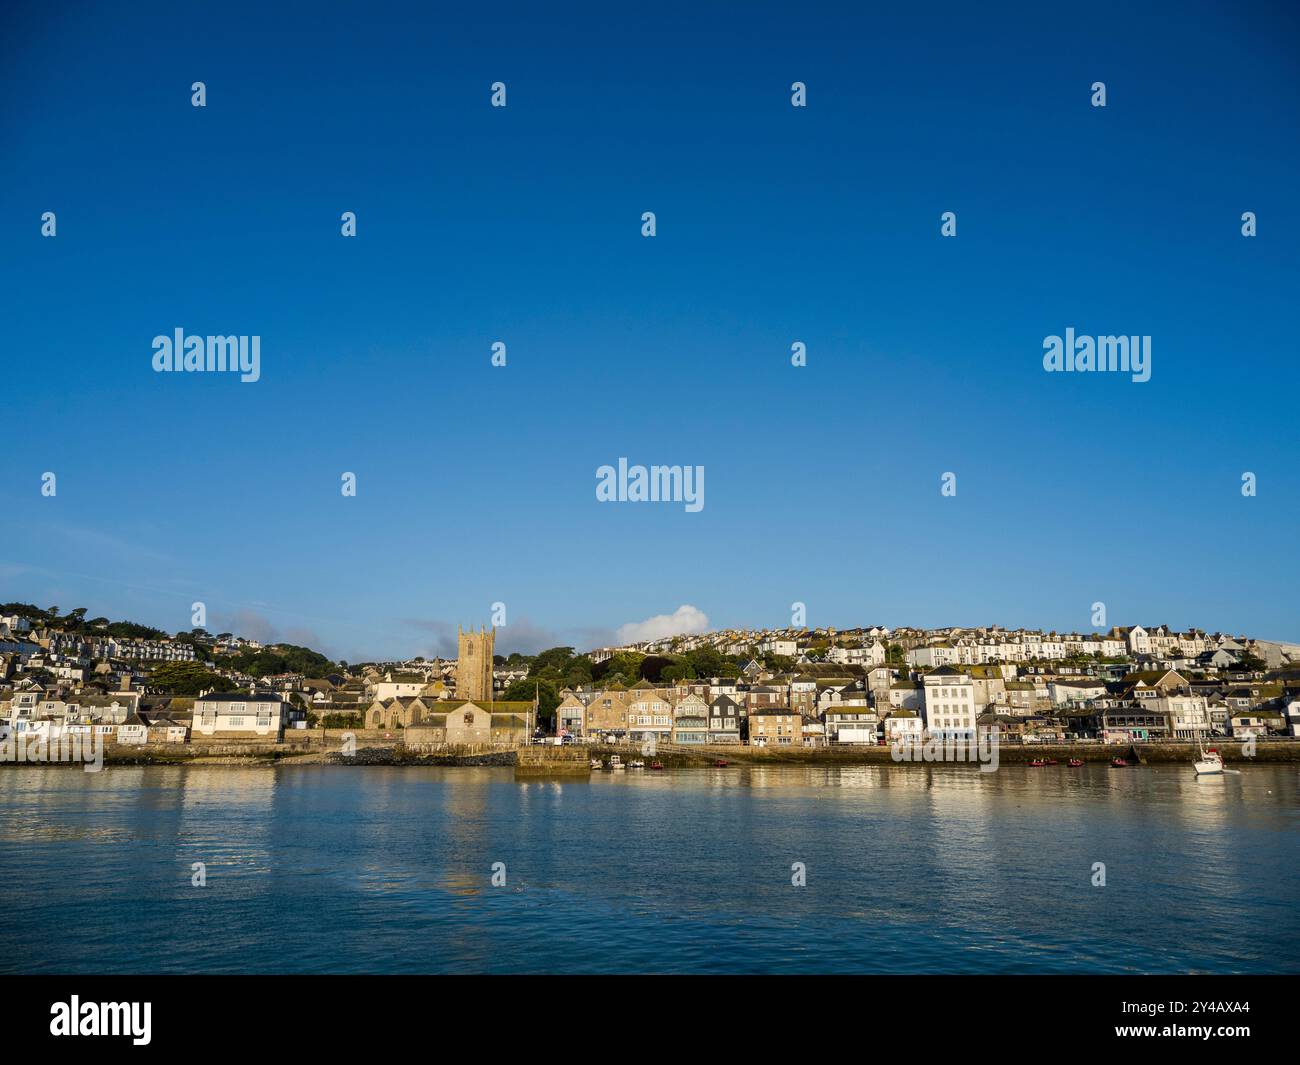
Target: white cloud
x,y
683,621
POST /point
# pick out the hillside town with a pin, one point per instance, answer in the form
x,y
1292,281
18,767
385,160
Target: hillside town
x,y
808,688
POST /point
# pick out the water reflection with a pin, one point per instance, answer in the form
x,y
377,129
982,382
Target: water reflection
x,y
324,869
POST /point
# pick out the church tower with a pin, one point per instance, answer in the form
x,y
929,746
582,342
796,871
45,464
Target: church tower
x,y
474,664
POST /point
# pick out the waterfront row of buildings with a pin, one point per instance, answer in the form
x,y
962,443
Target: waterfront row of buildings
x,y
885,704
1131,684
424,707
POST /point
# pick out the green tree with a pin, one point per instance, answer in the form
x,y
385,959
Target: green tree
x,y
73,621
131,631
282,658
653,666
547,697
625,663
186,678
707,661
555,659
578,673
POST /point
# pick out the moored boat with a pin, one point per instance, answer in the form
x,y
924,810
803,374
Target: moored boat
x,y
1074,763
1210,763
615,762
1119,763
1037,763
656,764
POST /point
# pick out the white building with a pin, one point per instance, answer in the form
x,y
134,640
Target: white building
x,y
236,714
852,724
14,625
950,708
940,654
398,686
142,650
858,656
1072,692
1189,715
903,726
133,730
905,695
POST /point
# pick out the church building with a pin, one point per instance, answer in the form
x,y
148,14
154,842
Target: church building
x,y
474,663
472,718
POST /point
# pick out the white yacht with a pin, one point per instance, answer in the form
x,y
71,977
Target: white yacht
x,y
1209,763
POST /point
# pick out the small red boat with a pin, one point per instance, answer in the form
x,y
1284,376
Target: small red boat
x,y
656,764
1053,761
1119,763
1037,763
721,763
1074,763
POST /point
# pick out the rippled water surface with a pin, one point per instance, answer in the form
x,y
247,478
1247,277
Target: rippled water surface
x,y
319,869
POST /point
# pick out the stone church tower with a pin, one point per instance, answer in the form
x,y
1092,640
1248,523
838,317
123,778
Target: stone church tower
x,y
474,664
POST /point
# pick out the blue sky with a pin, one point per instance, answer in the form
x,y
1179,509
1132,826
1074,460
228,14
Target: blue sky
x,y
775,224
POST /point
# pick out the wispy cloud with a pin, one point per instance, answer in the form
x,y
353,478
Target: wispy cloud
x,y
443,640
257,626
521,635
526,638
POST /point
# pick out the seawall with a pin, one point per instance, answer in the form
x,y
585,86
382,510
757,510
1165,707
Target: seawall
x,y
378,748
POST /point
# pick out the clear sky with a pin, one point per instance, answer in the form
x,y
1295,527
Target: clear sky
x,y
775,224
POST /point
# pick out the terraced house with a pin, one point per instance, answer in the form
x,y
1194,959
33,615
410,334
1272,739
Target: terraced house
x,y
775,726
851,724
649,714
691,720
1189,715
571,714
607,713
724,720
